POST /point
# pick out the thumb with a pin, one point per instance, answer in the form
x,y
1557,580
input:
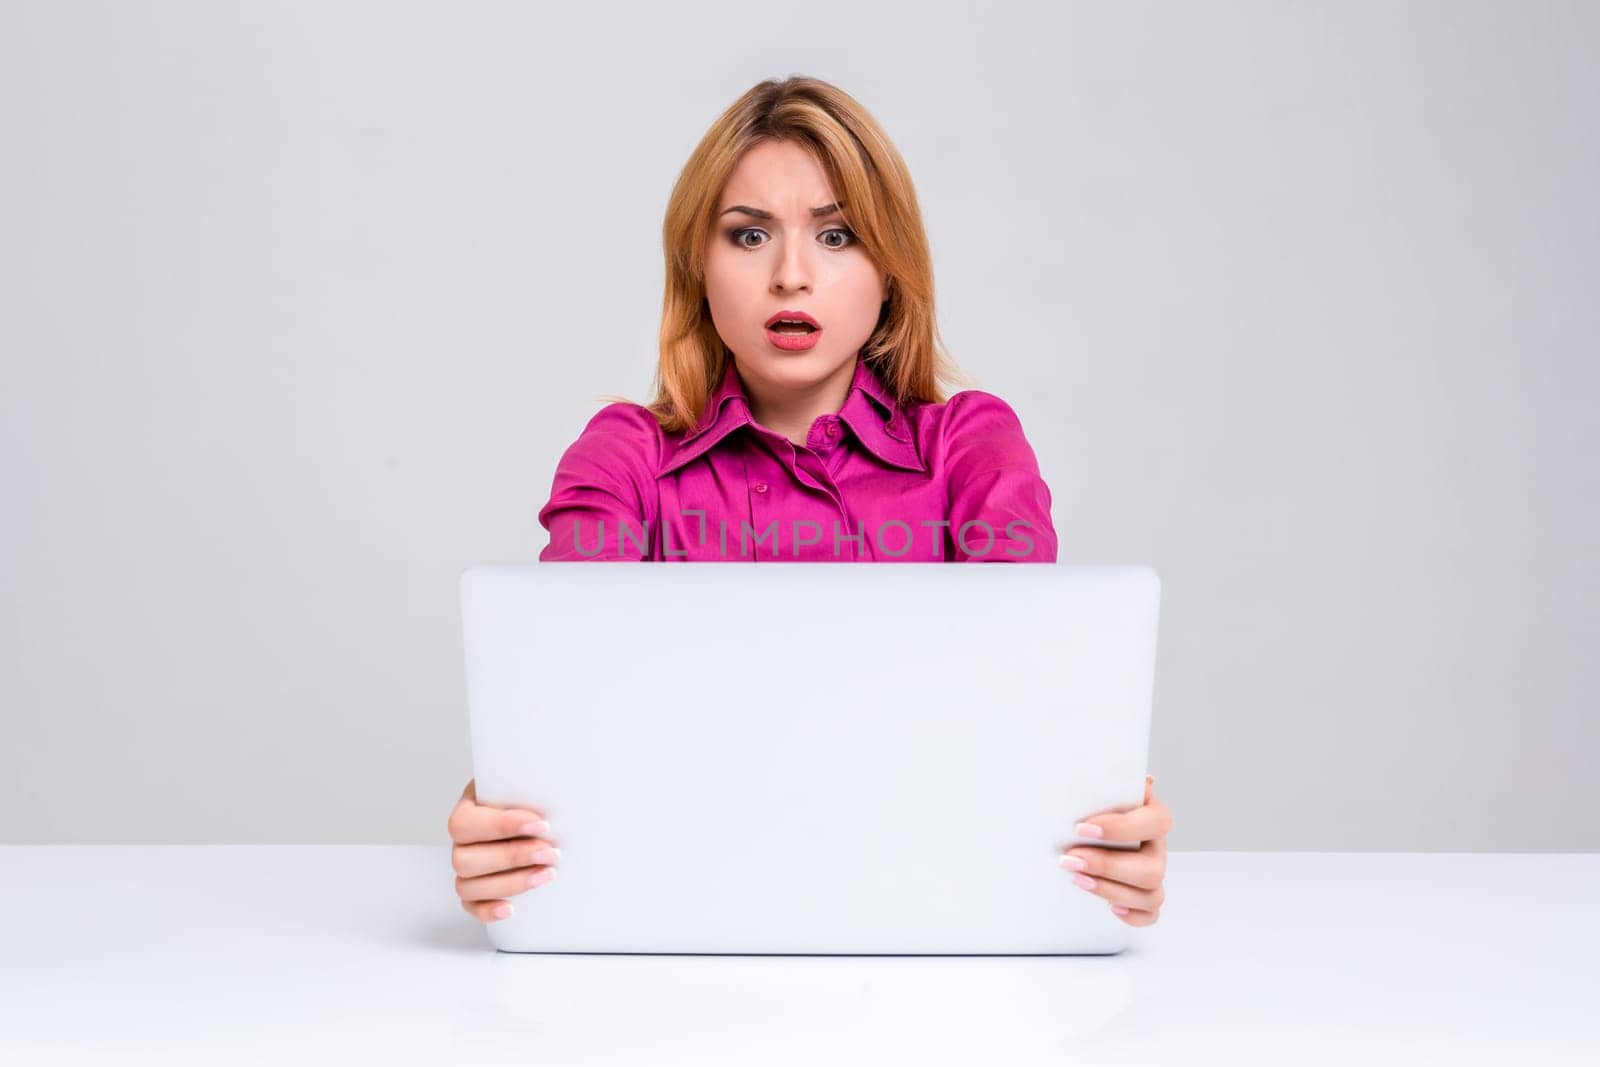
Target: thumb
x,y
1149,787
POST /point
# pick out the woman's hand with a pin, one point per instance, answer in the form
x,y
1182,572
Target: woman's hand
x,y
498,853
1131,881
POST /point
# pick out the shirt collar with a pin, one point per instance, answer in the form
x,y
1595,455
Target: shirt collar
x,y
869,409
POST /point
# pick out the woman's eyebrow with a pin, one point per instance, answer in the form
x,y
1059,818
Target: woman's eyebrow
x,y
816,212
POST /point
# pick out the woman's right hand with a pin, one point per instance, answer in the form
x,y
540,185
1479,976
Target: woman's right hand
x,y
498,853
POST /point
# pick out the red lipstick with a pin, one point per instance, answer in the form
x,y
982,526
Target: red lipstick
x,y
793,331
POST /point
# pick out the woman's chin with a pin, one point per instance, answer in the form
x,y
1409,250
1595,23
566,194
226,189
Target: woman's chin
x,y
799,369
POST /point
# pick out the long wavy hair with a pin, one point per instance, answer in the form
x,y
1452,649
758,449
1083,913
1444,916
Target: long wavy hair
x,y
868,174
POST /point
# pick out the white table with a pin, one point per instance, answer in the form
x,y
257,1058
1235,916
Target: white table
x,y
360,954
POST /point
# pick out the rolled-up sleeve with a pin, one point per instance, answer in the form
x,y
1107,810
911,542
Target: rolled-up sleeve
x,y
603,502
996,491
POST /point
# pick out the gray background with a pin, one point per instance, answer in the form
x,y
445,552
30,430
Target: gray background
x,y
300,302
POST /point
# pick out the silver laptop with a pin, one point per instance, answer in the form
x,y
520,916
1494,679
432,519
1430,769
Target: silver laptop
x,y
811,758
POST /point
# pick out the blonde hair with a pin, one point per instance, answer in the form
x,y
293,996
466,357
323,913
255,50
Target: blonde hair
x,y
880,206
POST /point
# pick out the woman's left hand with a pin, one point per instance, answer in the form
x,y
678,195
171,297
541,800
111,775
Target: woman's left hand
x,y
1130,881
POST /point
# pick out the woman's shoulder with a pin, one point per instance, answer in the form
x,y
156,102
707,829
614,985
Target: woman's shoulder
x,y
974,427
606,478
627,418
622,437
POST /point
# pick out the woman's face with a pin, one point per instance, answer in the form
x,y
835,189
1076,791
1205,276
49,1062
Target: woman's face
x,y
777,256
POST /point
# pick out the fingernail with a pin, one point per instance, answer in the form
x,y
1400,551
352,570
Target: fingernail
x,y
1084,880
534,829
1074,863
503,911
547,855
541,878
1089,829
1120,910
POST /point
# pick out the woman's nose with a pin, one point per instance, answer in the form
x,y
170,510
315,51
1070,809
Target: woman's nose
x,y
793,270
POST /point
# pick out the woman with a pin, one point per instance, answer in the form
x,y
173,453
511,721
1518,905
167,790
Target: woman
x,y
798,416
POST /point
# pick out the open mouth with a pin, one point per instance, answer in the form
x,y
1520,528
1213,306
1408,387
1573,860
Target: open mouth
x,y
793,330
792,335
793,322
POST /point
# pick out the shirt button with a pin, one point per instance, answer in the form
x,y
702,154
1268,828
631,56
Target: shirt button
x,y
833,428
761,487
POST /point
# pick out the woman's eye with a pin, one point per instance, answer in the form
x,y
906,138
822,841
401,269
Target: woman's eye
x,y
739,236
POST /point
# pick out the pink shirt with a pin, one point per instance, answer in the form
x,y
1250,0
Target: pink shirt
x,y
954,481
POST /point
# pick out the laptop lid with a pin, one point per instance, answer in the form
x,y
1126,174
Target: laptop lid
x,y
810,758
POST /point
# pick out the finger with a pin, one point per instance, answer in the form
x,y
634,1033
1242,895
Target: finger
x,y
1129,896
1149,787
488,911
504,884
1135,916
474,861
1146,868
472,822
1144,823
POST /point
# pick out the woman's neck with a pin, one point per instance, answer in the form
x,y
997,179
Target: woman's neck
x,y
791,412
